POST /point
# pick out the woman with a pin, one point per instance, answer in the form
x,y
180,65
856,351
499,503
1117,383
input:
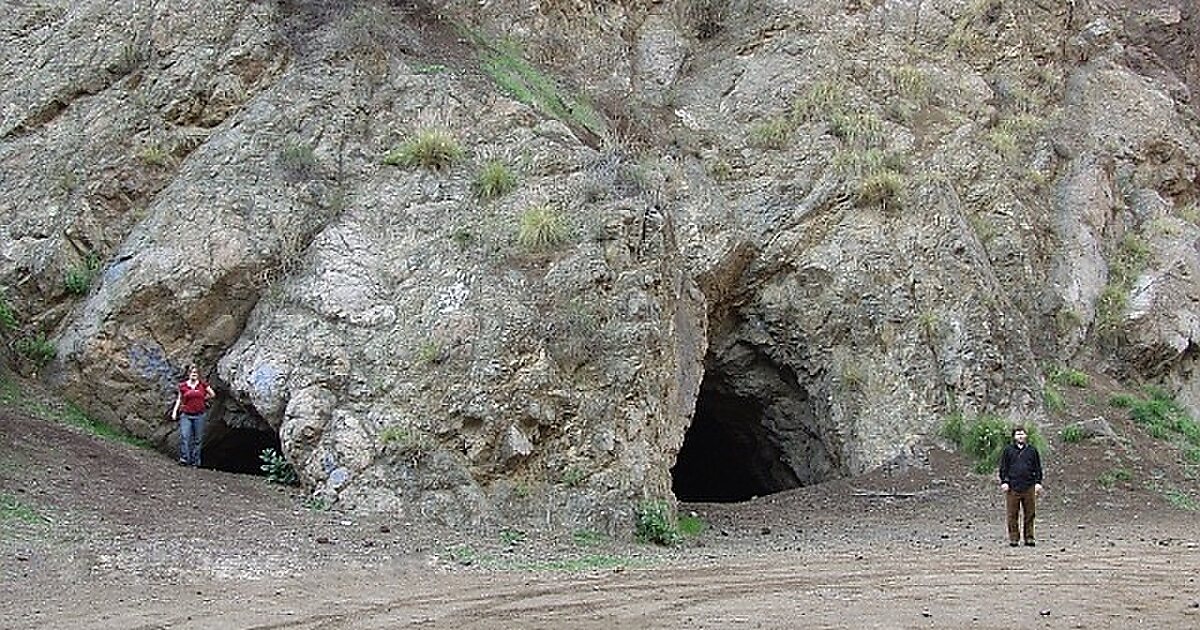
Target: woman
x,y
189,410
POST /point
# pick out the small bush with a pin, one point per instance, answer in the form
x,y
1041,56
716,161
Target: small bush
x,y
884,188
36,348
78,279
495,179
541,228
433,149
822,100
1072,434
984,438
1067,377
858,128
773,133
155,156
910,82
277,468
1053,399
656,523
8,317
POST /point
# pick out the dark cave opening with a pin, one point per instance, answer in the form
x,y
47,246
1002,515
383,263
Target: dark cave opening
x,y
235,439
729,454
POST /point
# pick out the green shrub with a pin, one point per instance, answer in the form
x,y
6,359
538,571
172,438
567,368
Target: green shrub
x,y
8,317
1110,478
78,279
156,156
1053,399
983,438
1067,376
1072,434
495,179
433,149
910,82
691,525
822,100
277,468
516,76
884,187
36,348
542,227
773,133
656,523
858,128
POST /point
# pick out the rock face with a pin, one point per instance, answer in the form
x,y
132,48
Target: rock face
x,y
724,249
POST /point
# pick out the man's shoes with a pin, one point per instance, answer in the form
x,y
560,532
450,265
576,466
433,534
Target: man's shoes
x,y
1013,543
1030,543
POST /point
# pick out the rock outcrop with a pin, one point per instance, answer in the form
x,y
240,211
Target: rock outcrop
x,y
648,249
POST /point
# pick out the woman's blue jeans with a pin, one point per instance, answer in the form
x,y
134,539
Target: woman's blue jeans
x,y
191,433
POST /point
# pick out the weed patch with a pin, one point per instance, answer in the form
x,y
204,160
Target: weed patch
x,y
656,524
432,149
1072,434
507,67
1162,417
277,468
78,279
984,438
36,348
12,509
542,228
495,179
1110,478
74,416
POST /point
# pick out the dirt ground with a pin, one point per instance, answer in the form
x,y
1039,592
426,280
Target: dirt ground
x,y
98,534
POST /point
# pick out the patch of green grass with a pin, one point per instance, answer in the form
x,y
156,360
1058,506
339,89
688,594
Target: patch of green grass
x,y
772,133
8,317
433,68
494,179
1129,261
587,538
1072,434
691,525
821,100
1067,377
1161,416
542,228
156,156
1053,399
432,149
78,279
655,523
984,438
1180,500
431,352
512,537
573,476
910,82
517,77
13,509
1110,478
857,128
74,416
315,504
36,348
882,188
406,439
464,555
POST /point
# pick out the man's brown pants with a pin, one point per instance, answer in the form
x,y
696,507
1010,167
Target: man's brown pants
x,y
1015,503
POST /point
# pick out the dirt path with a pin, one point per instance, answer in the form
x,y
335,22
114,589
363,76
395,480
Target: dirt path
x,y
101,535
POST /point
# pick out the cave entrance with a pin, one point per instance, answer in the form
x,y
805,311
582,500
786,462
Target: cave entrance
x,y
756,431
235,439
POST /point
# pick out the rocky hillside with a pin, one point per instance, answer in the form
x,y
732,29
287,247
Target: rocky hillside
x,y
548,260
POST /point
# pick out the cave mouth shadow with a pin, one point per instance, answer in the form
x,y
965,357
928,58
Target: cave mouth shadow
x,y
729,454
237,449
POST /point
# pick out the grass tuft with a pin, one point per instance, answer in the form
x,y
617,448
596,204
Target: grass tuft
x,y
432,149
542,228
495,179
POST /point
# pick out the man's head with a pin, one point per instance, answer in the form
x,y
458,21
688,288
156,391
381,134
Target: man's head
x,y
1018,435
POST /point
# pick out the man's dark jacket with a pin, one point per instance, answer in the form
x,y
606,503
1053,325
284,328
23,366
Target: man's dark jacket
x,y
1020,468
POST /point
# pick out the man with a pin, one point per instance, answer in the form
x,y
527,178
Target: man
x,y
1020,481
